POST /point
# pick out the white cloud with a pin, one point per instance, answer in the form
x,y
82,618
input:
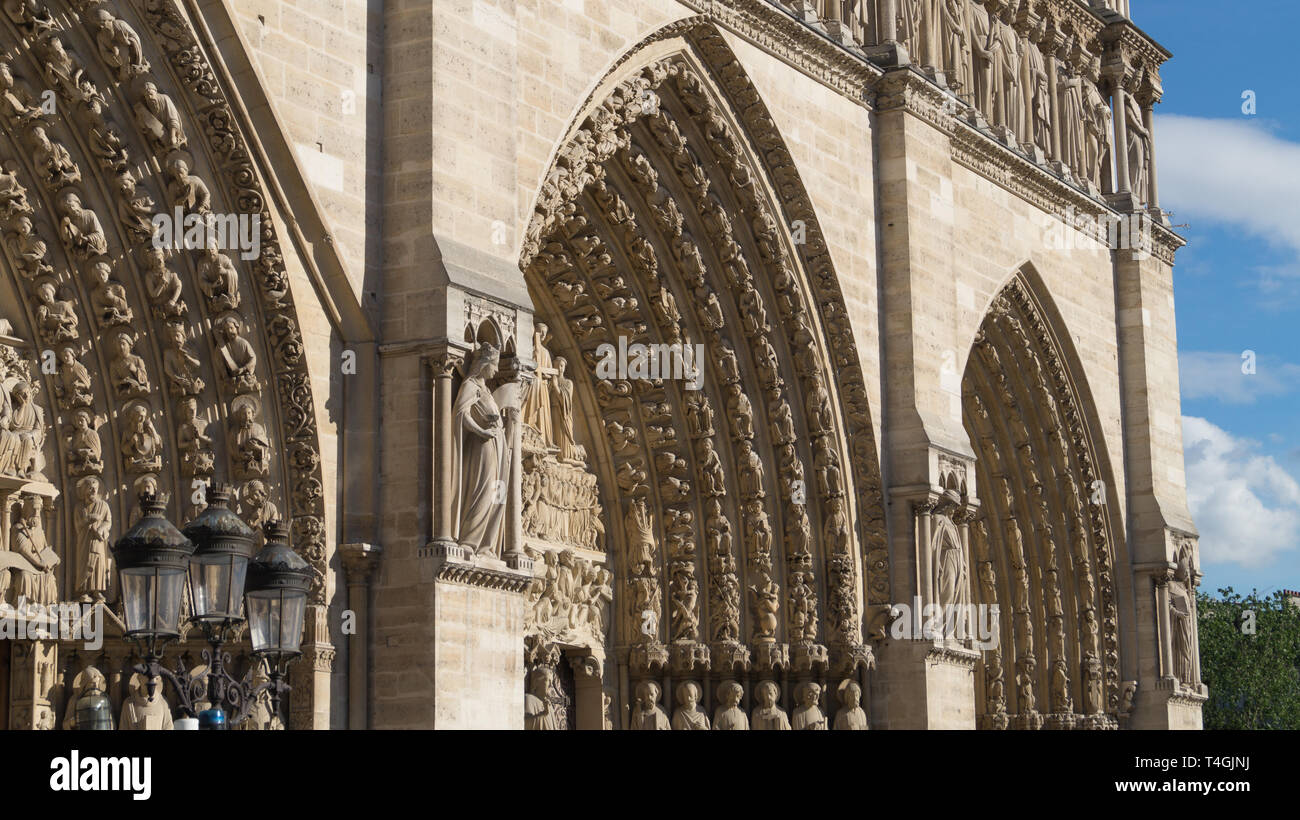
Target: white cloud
x,y
1245,505
1208,375
1230,171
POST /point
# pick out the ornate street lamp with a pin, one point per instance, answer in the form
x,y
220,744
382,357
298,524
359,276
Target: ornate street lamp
x,y
213,553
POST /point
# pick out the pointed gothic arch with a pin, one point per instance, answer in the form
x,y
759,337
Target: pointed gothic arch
x,y
1047,542
190,367
744,522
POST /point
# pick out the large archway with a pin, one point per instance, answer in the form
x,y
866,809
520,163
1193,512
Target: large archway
x,y
743,522
152,363
1045,545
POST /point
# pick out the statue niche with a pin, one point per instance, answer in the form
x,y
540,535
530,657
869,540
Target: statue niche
x,y
480,458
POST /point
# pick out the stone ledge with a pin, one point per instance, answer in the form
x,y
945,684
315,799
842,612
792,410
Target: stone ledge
x,y
449,563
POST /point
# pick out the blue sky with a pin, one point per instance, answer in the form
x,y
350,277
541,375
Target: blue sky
x,y
1234,180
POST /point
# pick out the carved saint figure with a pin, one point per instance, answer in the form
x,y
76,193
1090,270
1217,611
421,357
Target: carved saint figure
x,y
258,508
158,118
480,458
1071,118
1182,614
145,712
55,318
17,105
163,285
252,444
729,716
119,45
37,584
688,715
85,450
1139,149
108,298
808,715
536,408
180,366
768,716
218,278
22,432
94,519
646,714
850,717
570,450
80,227
27,248
238,358
127,371
88,680
538,714
955,51
52,160
984,56
196,456
186,190
141,444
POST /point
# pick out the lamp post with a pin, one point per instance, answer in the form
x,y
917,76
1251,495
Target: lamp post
x,y
214,554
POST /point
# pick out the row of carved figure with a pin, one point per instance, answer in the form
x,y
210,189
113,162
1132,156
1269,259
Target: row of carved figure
x,y
767,713
1014,73
142,711
81,106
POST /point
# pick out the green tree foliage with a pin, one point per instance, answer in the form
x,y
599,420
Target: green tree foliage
x,y
1250,660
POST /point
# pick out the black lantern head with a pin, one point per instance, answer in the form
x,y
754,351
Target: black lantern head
x,y
151,558
278,581
223,548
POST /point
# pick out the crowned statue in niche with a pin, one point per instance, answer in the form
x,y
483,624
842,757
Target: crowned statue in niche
x,y
480,458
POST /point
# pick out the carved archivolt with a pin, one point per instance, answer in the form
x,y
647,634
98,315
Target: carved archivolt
x,y
657,229
162,362
1044,545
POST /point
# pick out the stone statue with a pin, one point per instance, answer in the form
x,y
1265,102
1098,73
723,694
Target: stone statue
x,y
768,716
751,471
689,715
28,248
108,298
1096,135
640,537
127,371
570,450
258,508
729,716
1182,618
850,717
74,385
22,432
17,103
85,450
1139,149
94,520
955,51
808,714
143,711
163,285
952,575
480,458
53,162
1071,117
87,681
119,45
536,408
157,116
646,714
141,444
238,359
538,714
196,456
80,227
218,278
985,46
56,319
185,190
683,594
36,582
252,445
180,366
1010,52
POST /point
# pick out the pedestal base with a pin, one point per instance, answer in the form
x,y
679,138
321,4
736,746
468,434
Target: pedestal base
x,y
478,641
923,685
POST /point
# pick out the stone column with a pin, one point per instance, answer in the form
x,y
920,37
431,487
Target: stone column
x,y
888,21
1120,149
443,366
1148,121
1162,580
1049,57
360,561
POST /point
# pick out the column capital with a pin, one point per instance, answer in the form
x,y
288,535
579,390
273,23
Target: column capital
x,y
360,560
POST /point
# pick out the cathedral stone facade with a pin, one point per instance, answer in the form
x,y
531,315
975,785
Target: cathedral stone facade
x,y
614,364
